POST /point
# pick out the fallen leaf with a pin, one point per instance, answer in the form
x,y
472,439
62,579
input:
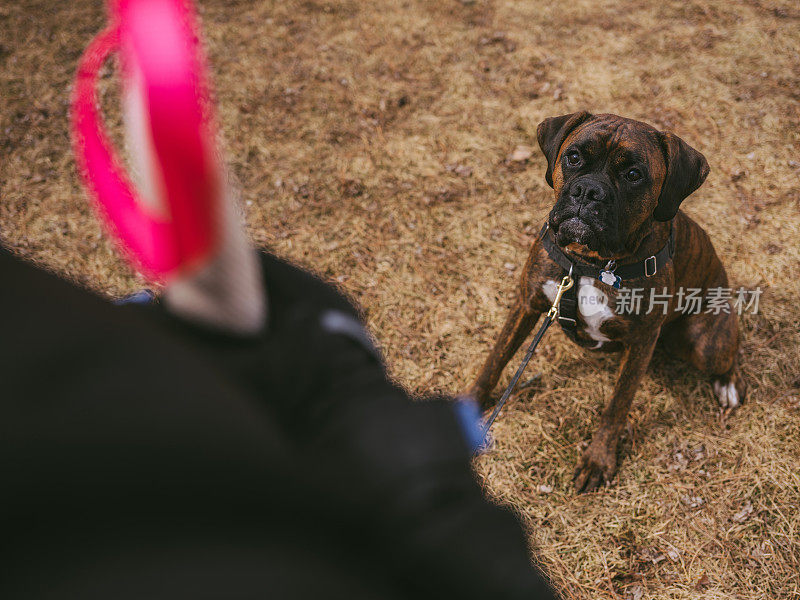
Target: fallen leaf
x,y
635,592
699,452
744,513
673,554
652,555
521,154
693,501
703,582
460,170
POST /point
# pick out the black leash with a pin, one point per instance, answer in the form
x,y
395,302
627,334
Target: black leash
x,y
566,283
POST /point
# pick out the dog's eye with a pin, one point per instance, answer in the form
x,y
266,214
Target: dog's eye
x,y
573,158
633,175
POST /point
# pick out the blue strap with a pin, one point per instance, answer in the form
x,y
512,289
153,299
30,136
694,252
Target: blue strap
x,y
468,414
140,297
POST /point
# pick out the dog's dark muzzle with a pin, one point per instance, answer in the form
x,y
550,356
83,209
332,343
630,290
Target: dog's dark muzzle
x,y
585,214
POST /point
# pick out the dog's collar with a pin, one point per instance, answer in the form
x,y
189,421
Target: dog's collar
x,y
611,274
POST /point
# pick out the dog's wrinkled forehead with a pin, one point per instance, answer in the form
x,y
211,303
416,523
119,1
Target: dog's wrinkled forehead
x,y
618,141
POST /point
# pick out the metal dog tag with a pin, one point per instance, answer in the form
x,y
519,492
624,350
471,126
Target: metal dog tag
x,y
609,278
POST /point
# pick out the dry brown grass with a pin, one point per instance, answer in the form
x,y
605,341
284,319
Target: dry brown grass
x,y
345,122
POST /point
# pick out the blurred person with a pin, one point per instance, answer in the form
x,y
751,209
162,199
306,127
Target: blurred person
x,y
144,455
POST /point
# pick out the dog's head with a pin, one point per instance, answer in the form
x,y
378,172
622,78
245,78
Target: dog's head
x,y
612,176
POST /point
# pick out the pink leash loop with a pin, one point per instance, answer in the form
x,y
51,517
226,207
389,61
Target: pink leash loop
x,y
158,44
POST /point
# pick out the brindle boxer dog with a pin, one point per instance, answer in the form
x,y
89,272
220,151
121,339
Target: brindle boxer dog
x,y
618,184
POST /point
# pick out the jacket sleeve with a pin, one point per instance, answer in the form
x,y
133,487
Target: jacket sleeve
x,y
407,460
403,463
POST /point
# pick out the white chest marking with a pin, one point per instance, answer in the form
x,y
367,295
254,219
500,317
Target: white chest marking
x,y
593,305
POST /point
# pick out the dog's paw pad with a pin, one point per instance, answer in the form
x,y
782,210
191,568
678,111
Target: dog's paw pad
x,y
595,469
727,396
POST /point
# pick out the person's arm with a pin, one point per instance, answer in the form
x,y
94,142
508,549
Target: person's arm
x,y
404,464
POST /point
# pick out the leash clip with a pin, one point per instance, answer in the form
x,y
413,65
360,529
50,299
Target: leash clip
x,y
566,283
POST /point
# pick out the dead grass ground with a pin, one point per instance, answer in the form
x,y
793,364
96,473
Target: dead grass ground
x,y
370,140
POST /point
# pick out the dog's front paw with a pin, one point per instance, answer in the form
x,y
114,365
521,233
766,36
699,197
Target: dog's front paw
x,y
596,467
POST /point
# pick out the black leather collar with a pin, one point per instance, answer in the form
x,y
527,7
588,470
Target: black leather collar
x,y
611,274
644,268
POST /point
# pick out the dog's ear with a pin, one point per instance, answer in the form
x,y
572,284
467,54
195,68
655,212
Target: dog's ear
x,y
552,132
687,169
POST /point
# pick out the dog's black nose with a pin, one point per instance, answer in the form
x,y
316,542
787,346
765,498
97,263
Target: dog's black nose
x,y
589,191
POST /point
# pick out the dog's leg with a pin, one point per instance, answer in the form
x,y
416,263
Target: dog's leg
x,y
519,323
599,461
711,344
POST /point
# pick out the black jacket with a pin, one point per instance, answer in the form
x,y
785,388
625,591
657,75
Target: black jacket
x,y
145,457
